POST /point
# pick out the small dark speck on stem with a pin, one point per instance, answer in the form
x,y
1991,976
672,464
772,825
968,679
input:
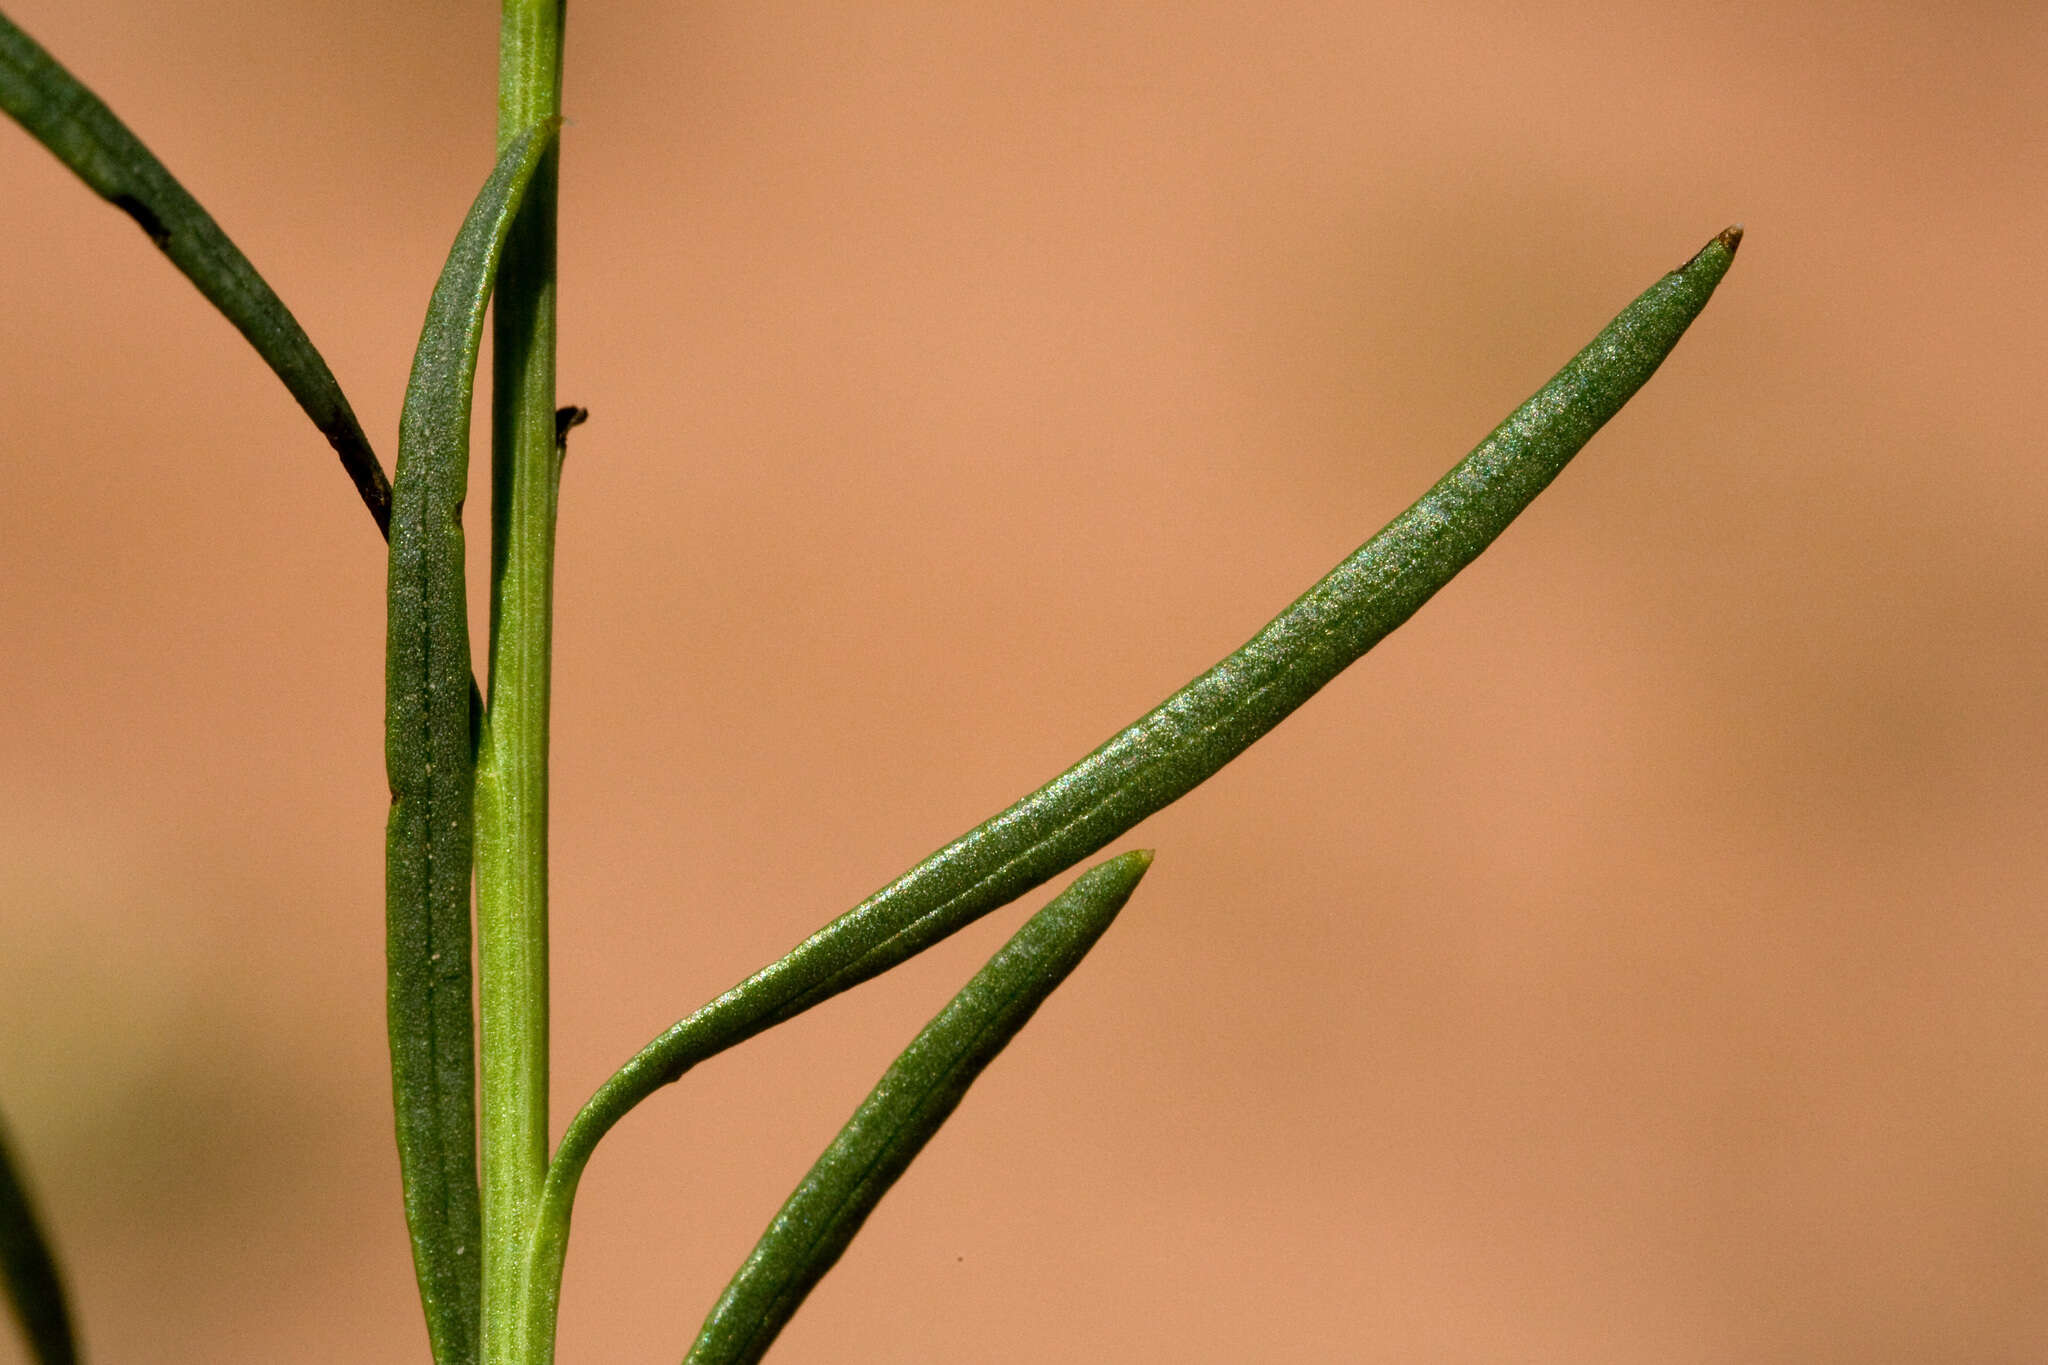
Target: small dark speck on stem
x,y
566,421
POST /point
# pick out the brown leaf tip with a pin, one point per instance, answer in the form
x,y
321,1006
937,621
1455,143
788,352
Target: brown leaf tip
x,y
1728,239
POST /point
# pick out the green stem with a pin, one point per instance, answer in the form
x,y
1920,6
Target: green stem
x,y
512,760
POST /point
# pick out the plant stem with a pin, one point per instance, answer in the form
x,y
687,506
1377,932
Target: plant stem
x,y
512,760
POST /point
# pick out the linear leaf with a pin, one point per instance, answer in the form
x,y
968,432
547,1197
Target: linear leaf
x,y
1181,742
85,135
903,1113
1192,734
430,710
33,1286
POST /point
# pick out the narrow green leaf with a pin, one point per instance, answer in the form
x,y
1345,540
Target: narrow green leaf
x,y
429,713
33,1285
1193,733
1177,745
918,1093
83,133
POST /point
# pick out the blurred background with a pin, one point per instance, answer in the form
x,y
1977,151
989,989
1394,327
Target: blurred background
x,y
1640,956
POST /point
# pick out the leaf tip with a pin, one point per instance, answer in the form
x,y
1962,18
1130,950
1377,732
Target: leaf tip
x,y
1126,869
1727,240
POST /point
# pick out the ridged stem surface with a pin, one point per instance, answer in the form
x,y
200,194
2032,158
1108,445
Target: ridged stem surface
x,y
512,759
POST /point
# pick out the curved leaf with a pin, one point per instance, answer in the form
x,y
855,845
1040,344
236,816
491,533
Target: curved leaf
x,y
83,133
430,710
918,1093
33,1285
1193,733
1184,740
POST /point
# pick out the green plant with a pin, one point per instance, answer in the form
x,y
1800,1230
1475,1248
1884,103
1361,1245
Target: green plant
x,y
488,1200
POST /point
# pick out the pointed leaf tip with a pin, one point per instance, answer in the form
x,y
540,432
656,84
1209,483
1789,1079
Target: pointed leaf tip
x,y
1728,239
921,1089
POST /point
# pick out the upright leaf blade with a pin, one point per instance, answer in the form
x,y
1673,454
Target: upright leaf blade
x,y
904,1112
30,1269
429,755
84,134
1185,739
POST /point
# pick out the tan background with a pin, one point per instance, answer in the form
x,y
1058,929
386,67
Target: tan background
x,y
1641,957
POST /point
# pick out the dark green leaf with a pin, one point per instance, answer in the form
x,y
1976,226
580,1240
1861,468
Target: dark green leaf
x,y
919,1092
84,134
429,755
33,1286
1190,735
